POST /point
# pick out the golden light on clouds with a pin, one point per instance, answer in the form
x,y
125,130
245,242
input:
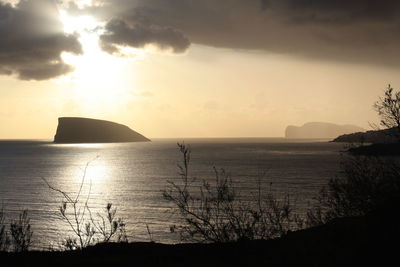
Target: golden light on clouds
x,y
99,78
80,24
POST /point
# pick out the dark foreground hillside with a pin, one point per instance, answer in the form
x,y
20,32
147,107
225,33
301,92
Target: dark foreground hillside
x,y
356,241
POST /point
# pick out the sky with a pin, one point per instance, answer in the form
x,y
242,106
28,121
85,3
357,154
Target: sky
x,y
195,68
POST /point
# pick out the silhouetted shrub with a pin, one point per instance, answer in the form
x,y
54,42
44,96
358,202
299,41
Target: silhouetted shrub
x,y
87,228
388,109
364,184
18,236
213,212
21,232
4,238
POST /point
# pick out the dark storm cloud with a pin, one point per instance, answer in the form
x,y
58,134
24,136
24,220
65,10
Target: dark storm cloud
x,y
119,33
32,40
365,31
335,11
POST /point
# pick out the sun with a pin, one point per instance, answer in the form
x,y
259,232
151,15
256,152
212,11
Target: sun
x,y
99,79
78,24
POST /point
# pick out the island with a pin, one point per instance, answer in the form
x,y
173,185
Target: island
x,y
85,130
320,130
373,143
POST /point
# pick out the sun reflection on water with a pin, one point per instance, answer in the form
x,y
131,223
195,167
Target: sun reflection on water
x,y
94,173
85,145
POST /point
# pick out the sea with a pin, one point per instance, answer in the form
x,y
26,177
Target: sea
x,y
132,176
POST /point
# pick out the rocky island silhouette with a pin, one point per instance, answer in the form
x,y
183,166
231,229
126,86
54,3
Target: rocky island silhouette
x,y
86,130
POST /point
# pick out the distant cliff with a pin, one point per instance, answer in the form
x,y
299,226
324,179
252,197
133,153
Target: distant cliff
x,y
320,130
84,130
376,137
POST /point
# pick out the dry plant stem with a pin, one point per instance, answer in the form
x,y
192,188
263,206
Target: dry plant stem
x,y
82,222
149,233
77,222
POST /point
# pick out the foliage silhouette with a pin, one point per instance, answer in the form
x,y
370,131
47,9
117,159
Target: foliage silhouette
x,y
4,237
21,232
365,184
388,108
18,236
213,212
87,228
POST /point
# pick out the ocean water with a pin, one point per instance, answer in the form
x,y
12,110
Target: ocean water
x,y
133,175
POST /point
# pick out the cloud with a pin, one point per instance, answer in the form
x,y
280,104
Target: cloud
x,y
361,31
118,33
335,11
32,40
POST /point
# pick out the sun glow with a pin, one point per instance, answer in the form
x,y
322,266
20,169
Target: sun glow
x,y
78,24
99,79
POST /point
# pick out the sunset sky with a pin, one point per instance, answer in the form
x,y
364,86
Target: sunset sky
x,y
195,68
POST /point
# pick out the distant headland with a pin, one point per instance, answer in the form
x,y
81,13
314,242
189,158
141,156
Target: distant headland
x,y
85,130
380,142
375,137
320,130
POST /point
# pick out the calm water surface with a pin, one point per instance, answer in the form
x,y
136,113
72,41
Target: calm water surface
x,y
132,175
